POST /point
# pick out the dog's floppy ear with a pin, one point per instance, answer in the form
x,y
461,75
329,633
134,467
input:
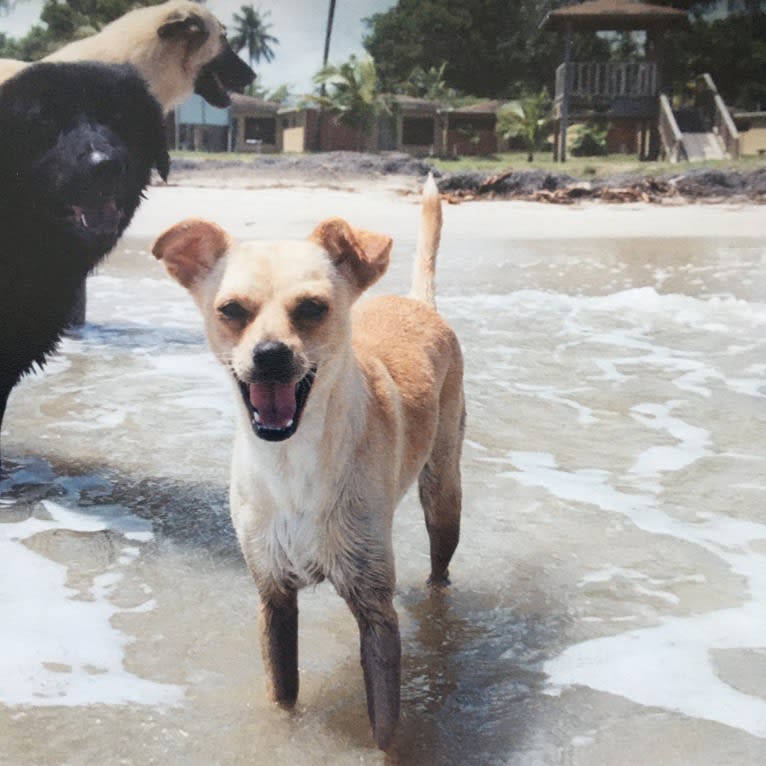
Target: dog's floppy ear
x,y
190,249
184,25
361,255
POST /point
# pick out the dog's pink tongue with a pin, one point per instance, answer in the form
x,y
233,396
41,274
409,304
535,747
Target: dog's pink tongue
x,y
275,403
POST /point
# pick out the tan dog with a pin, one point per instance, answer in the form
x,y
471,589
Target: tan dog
x,y
178,47
340,407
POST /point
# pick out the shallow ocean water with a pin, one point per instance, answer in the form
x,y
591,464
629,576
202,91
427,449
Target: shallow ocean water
x,y
609,591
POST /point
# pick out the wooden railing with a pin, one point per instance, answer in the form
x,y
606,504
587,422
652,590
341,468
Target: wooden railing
x,y
723,124
608,80
670,133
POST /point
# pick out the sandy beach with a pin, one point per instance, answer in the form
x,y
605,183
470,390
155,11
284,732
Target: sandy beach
x,y
271,207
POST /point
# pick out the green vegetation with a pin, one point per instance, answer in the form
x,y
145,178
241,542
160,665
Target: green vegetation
x,y
64,22
448,49
251,32
492,48
586,167
577,167
731,50
527,120
429,84
496,48
350,91
589,141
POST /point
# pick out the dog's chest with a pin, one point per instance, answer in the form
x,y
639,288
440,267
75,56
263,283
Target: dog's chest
x,y
288,517
297,547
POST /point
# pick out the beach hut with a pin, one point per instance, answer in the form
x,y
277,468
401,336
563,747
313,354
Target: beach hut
x,y
626,93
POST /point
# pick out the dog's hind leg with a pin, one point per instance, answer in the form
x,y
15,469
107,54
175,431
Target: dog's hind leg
x,y
440,496
278,622
440,490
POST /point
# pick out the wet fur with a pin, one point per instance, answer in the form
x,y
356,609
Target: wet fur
x,y
169,44
52,118
386,409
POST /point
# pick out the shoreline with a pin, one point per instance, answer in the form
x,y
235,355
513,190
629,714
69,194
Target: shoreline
x,y
350,171
278,212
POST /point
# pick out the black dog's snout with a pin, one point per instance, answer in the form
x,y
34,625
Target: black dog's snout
x,y
103,165
274,362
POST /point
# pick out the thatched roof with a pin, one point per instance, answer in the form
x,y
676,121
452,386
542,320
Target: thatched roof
x,y
415,104
482,107
614,14
243,105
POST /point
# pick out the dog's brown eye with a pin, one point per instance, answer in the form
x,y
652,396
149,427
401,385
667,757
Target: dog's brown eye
x,y
309,310
234,311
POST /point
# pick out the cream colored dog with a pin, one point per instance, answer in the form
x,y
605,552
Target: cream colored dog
x,y
178,47
340,407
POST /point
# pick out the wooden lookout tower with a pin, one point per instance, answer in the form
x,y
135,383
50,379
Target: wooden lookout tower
x,y
626,93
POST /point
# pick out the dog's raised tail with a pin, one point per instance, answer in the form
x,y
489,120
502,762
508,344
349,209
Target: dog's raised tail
x,y
424,274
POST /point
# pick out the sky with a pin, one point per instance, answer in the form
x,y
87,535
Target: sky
x,y
299,25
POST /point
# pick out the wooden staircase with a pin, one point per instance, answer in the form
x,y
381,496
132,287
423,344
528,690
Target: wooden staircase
x,y
702,146
700,141
702,131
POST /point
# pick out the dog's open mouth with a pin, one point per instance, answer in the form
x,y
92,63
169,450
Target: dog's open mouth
x,y
210,87
101,220
276,408
224,74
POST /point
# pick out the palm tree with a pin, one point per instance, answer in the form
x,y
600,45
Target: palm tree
x,y
328,32
528,119
350,91
429,84
251,32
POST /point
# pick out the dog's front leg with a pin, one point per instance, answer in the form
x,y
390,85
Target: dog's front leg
x,y
6,385
381,663
278,622
381,651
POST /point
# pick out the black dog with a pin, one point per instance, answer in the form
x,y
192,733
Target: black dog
x,y
77,146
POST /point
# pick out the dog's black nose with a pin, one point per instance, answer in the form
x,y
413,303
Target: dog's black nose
x,y
103,165
273,361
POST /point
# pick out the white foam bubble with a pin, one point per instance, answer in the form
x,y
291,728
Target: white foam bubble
x,y
693,442
57,648
668,665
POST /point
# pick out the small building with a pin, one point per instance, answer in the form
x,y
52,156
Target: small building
x,y
419,127
415,126
471,130
752,133
248,125
624,94
297,127
254,125
410,126
200,127
428,128
308,128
